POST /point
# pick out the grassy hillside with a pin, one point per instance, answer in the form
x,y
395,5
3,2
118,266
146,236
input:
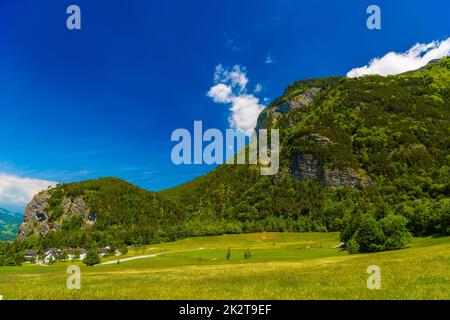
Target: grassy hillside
x,y
282,266
103,211
354,153
390,133
9,224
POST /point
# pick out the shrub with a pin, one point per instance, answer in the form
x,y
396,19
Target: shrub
x,y
395,232
352,246
387,234
369,235
92,258
123,249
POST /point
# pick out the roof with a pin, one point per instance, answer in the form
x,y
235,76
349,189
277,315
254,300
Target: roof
x,y
53,251
31,252
103,250
75,251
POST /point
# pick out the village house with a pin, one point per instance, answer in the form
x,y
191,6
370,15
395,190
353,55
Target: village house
x,y
52,255
103,251
31,256
75,254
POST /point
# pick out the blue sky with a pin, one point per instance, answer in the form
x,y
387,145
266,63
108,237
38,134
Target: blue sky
x,y
104,100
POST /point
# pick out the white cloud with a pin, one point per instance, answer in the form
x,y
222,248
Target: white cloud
x,y
245,111
235,77
231,88
16,190
269,59
258,88
394,63
221,93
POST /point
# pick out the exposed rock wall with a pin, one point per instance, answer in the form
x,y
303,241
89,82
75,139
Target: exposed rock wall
x,y
306,167
270,115
35,218
37,221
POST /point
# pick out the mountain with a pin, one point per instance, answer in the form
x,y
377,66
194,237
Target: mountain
x,y
9,224
378,145
353,153
101,209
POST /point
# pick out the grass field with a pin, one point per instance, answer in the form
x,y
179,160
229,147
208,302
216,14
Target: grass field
x,y
282,266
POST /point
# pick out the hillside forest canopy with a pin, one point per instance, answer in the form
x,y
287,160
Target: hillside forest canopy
x,y
393,132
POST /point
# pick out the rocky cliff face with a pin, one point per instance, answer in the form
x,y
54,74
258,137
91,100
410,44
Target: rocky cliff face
x,y
269,116
305,166
37,220
34,216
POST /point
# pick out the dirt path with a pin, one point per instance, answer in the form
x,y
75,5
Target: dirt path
x,y
131,258
144,256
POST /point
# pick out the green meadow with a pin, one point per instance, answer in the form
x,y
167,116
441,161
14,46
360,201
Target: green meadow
x,y
281,266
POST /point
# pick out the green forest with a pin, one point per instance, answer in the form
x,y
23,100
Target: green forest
x,y
9,224
391,133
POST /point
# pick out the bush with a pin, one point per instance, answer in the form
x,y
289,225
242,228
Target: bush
x,y
92,258
123,249
395,232
352,246
387,234
247,254
369,235
442,220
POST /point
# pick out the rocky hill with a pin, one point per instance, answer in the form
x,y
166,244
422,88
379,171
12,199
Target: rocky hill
x,y
376,146
107,208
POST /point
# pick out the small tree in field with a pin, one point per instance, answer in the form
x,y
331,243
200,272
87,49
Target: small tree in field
x,y
92,258
64,256
228,253
76,256
123,249
247,254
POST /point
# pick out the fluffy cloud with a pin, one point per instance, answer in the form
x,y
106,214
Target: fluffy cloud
x,y
394,63
231,88
16,190
221,93
235,77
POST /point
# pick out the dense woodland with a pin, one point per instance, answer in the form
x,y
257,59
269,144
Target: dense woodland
x,y
393,130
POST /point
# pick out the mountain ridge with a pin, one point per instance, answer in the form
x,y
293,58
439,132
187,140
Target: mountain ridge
x,y
371,146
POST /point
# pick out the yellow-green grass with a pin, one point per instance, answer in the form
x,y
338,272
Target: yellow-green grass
x,y
282,266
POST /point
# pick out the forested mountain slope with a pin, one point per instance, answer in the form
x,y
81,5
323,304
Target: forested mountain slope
x,y
9,224
354,152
